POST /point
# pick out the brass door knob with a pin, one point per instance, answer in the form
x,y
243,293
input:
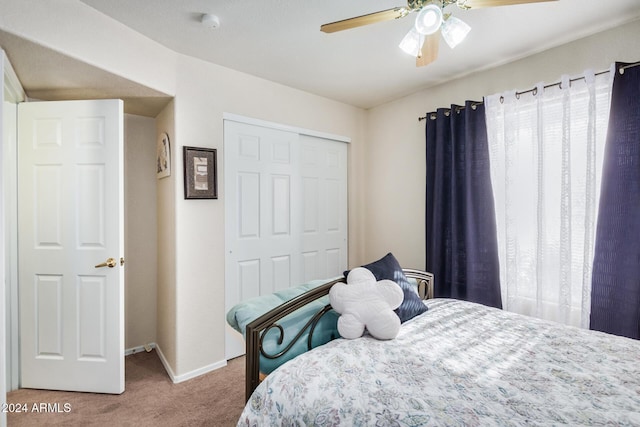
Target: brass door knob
x,y
110,262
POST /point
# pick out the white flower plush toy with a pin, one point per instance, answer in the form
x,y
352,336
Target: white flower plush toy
x,y
364,302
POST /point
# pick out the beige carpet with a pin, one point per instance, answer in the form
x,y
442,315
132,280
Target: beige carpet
x,y
150,399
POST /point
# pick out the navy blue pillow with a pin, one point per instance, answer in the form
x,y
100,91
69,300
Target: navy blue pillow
x,y
388,268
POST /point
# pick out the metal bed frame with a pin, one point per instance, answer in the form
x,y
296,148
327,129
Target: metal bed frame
x,y
257,328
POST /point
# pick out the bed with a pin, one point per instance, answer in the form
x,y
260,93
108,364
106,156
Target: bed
x,y
277,327
458,363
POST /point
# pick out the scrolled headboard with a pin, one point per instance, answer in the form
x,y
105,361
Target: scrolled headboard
x,y
267,321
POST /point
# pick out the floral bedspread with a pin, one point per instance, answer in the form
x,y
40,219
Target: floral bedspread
x,y
458,364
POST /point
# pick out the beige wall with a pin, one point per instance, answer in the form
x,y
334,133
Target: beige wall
x,y
166,318
190,276
82,32
140,229
203,93
395,201
386,158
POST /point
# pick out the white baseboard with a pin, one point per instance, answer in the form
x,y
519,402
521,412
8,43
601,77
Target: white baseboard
x,y
189,375
166,365
140,348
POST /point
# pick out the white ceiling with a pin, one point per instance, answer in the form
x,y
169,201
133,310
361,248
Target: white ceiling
x,y
280,40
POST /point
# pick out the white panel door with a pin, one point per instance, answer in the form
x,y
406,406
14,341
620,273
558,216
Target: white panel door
x,y
324,207
286,213
71,220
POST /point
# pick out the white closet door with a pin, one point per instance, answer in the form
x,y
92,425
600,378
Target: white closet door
x,y
286,213
324,207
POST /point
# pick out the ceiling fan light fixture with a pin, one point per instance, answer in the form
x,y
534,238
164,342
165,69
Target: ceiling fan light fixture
x,y
428,20
454,31
411,43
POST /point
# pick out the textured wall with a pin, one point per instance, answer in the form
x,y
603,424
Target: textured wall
x,y
395,139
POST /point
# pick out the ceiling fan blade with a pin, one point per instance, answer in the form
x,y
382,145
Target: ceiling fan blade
x,y
429,50
473,4
372,18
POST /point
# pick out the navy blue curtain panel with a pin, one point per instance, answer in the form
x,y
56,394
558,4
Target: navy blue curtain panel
x,y
461,239
615,286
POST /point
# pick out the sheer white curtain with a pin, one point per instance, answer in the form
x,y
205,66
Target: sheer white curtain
x,y
546,148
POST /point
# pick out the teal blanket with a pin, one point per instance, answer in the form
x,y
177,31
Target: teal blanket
x,y
247,311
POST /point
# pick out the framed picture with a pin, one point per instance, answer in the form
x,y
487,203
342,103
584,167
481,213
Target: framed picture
x,y
200,173
163,153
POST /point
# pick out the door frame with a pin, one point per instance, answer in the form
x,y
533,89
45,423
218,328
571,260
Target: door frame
x,y
13,93
276,126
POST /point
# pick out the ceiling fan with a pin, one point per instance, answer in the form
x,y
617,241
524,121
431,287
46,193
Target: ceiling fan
x,y
423,40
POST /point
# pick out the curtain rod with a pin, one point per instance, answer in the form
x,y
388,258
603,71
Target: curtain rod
x,y
458,108
533,90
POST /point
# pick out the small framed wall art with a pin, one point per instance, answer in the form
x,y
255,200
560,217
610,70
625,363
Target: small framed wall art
x,y
200,173
163,154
